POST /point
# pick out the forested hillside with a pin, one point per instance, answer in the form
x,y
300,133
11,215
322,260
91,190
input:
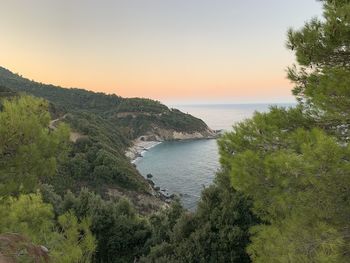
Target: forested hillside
x,y
137,115
103,127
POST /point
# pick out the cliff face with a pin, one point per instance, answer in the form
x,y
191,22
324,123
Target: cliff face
x,y
159,135
169,135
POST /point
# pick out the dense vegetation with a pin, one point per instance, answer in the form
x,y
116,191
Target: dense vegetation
x,y
282,194
30,152
106,106
104,126
294,164
217,232
37,223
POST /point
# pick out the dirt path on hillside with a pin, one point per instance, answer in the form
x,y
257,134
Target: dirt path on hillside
x,y
73,137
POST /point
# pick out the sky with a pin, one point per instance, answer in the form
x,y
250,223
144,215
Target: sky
x,y
170,50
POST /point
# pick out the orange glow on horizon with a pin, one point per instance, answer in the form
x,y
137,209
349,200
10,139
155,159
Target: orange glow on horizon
x,y
164,50
180,84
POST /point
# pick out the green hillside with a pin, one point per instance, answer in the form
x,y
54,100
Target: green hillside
x,y
139,113
103,127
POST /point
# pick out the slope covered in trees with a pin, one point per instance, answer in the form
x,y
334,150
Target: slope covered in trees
x,y
104,127
39,225
145,112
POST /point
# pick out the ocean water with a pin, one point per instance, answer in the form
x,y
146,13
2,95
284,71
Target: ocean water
x,y
186,167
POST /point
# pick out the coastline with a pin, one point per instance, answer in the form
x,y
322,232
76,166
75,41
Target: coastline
x,y
146,142
142,144
157,187
138,148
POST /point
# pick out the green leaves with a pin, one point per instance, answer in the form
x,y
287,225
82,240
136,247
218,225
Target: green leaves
x,y
28,149
294,164
69,241
216,232
121,233
298,181
322,49
291,241
29,152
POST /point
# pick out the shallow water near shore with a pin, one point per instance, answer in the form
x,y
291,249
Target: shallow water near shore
x,y
186,167
182,167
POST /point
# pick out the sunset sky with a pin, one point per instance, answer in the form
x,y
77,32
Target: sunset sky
x,y
170,50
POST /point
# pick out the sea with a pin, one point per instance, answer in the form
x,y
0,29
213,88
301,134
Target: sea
x,y
185,168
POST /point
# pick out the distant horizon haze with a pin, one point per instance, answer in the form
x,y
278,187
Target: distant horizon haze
x,y
185,50
233,101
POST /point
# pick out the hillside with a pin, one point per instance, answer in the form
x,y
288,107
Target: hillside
x,y
103,127
138,114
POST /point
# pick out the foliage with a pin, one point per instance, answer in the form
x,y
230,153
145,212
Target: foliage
x,y
95,118
28,149
5,93
300,189
294,163
29,153
69,241
105,106
322,51
92,165
121,234
141,105
217,232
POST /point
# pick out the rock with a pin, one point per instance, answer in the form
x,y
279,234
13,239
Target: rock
x,y
166,195
150,182
157,188
44,249
149,175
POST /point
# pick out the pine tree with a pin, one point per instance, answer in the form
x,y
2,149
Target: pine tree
x,y
294,163
29,150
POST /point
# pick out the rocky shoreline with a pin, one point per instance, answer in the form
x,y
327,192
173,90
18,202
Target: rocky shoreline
x,y
146,142
162,194
139,147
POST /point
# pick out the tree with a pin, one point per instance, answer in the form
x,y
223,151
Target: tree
x,y
29,150
294,163
322,76
69,241
217,232
120,232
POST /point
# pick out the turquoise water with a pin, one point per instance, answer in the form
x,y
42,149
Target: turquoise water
x,y
186,167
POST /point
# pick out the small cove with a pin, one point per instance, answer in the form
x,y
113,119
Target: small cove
x,y
182,167
186,167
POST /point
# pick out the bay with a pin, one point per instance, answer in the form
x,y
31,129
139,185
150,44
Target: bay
x,y
186,167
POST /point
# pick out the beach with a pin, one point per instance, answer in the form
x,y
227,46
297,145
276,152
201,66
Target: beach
x,y
139,147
